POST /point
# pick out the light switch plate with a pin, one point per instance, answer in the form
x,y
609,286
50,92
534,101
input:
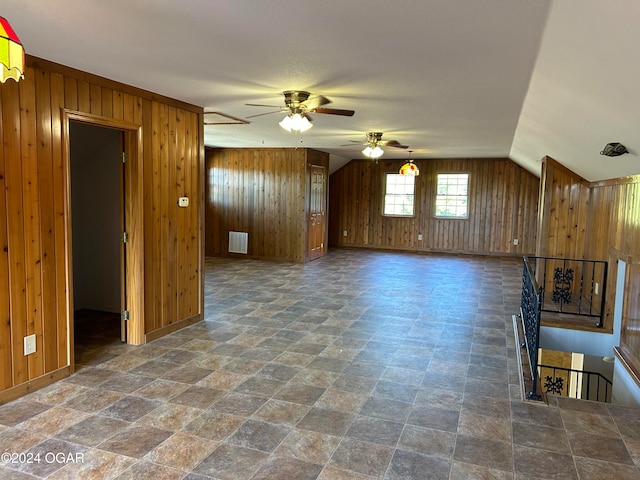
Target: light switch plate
x,y
183,202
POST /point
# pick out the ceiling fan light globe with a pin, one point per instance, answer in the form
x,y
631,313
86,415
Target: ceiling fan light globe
x,y
301,123
296,122
287,123
376,152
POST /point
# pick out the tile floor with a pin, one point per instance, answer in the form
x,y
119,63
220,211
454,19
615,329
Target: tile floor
x,y
359,365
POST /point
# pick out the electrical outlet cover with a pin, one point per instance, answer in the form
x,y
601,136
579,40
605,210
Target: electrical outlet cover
x,y
30,344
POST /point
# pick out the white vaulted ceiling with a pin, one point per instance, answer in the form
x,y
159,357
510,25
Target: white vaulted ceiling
x,y
449,78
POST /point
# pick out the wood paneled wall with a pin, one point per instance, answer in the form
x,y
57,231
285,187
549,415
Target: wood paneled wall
x,y
174,236
564,208
614,234
597,221
264,192
503,202
35,216
564,211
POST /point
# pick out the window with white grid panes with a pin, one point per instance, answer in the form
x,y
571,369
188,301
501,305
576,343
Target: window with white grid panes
x,y
399,195
452,195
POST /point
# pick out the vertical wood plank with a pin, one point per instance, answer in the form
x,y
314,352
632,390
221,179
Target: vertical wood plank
x,y
118,105
84,96
60,187
152,221
164,166
70,93
6,377
182,244
193,175
172,228
15,229
95,99
47,223
32,232
106,96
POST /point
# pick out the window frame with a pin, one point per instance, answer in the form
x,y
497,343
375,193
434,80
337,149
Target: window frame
x,y
384,196
435,202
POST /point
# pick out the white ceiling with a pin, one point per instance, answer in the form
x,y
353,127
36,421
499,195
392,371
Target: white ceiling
x,y
449,78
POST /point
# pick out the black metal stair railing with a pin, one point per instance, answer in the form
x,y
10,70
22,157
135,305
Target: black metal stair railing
x,y
569,382
582,299
530,309
572,286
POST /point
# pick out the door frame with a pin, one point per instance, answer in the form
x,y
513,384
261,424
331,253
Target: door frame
x,y
132,211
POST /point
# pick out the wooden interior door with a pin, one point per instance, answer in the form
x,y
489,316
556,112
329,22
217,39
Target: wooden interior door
x,y
317,208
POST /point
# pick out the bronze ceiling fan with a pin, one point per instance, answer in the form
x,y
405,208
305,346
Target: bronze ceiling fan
x,y
298,104
373,144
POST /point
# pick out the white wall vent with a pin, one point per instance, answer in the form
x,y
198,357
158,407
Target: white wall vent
x,y
238,242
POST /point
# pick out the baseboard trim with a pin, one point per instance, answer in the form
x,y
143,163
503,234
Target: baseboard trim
x,y
33,385
174,327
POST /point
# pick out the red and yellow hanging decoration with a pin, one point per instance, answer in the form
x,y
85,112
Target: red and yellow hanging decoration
x,y
11,53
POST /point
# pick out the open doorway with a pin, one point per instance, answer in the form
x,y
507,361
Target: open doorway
x,y
97,217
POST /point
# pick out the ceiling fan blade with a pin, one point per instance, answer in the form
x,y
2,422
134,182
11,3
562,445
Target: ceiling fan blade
x,y
393,143
353,143
261,105
315,102
307,116
261,114
334,111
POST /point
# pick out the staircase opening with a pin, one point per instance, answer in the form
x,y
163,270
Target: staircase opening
x,y
576,375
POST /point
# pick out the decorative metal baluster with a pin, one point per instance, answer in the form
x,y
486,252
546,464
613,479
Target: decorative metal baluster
x,y
554,385
562,279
